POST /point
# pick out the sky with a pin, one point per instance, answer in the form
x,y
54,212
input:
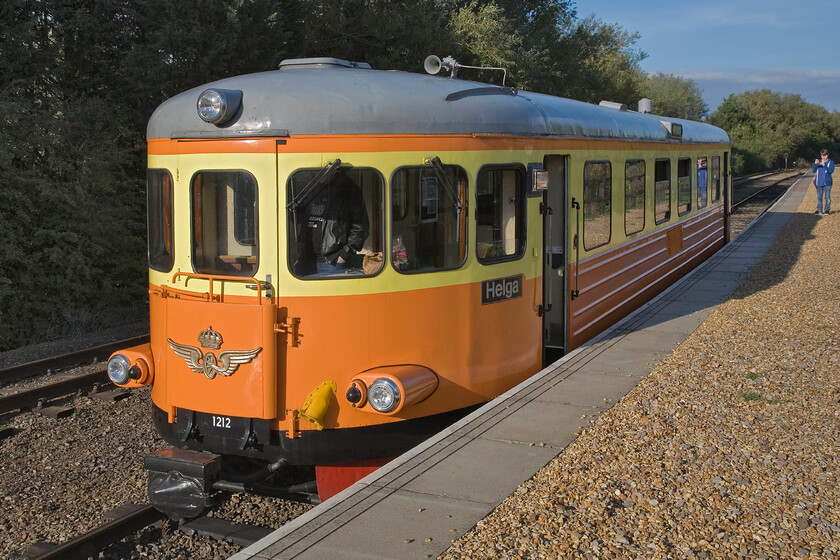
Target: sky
x,y
732,46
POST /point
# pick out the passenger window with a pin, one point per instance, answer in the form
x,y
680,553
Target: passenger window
x,y
429,218
160,234
597,197
702,193
662,196
683,186
715,178
224,212
334,222
499,215
634,196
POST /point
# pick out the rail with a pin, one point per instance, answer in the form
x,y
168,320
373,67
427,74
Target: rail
x,y
71,359
129,519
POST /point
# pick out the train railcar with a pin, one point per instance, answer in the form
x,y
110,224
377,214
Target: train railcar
x,y
344,260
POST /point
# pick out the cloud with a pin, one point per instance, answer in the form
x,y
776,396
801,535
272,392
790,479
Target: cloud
x,y
815,86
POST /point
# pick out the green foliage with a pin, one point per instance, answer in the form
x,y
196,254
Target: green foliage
x,y
767,127
674,96
80,79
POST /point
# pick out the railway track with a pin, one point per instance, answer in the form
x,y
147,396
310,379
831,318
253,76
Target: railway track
x,y
93,379
76,358
119,525
753,197
127,520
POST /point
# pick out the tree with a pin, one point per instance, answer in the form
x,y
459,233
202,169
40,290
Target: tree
x,y
674,96
80,79
767,127
546,49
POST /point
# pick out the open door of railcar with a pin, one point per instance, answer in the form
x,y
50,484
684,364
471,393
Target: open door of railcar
x,y
554,258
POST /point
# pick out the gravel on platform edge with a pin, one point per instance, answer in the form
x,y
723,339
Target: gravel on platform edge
x,y
727,449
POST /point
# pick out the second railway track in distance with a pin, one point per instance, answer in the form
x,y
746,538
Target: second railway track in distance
x,y
754,194
33,384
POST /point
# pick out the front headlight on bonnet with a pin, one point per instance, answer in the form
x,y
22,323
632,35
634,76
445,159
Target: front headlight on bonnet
x,y
218,106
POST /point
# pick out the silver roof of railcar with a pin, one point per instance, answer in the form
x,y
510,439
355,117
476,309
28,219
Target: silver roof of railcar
x,y
326,98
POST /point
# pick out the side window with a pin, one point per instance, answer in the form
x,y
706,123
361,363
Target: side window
x,y
334,223
224,216
429,218
662,195
683,186
715,178
499,214
160,228
597,196
702,192
634,196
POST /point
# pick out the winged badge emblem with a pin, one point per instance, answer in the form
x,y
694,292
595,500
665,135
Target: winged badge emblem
x,y
225,364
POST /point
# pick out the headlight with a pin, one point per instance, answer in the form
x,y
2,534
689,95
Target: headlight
x,y
217,106
119,369
383,395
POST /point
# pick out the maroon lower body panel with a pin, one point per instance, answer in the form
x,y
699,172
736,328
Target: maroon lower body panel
x,y
620,280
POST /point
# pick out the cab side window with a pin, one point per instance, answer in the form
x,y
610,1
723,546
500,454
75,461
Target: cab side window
x,y
428,218
160,228
224,219
499,214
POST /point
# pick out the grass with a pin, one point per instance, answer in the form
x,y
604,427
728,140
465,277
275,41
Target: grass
x,y
752,375
753,396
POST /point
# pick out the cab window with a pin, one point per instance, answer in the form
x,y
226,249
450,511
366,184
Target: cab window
x,y
160,228
428,218
224,219
334,221
499,214
662,194
597,196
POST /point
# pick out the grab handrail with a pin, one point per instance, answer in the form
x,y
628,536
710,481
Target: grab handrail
x,y
576,245
211,279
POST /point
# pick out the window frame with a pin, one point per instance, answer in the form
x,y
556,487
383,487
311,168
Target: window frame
x,y
680,188
643,176
256,244
382,216
521,212
170,230
716,191
656,183
608,200
463,224
702,202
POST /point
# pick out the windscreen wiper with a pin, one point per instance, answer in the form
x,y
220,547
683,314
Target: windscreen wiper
x,y
441,175
304,195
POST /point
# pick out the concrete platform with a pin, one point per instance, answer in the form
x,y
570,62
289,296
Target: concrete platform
x,y
416,505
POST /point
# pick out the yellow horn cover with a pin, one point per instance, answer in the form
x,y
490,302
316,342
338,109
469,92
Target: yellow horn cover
x,y
318,403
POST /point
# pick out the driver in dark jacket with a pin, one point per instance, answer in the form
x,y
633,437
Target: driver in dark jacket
x,y
334,227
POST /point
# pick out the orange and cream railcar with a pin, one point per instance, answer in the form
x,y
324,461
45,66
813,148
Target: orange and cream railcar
x,y
504,228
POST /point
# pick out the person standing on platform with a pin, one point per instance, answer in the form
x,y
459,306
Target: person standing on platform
x,y
823,167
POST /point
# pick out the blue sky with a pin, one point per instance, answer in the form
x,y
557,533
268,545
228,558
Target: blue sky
x,y
732,46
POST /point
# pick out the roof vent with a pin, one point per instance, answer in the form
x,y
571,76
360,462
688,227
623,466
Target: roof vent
x,y
645,105
322,62
613,105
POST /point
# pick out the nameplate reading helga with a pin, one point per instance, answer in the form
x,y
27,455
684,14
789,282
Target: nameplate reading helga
x,y
501,289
